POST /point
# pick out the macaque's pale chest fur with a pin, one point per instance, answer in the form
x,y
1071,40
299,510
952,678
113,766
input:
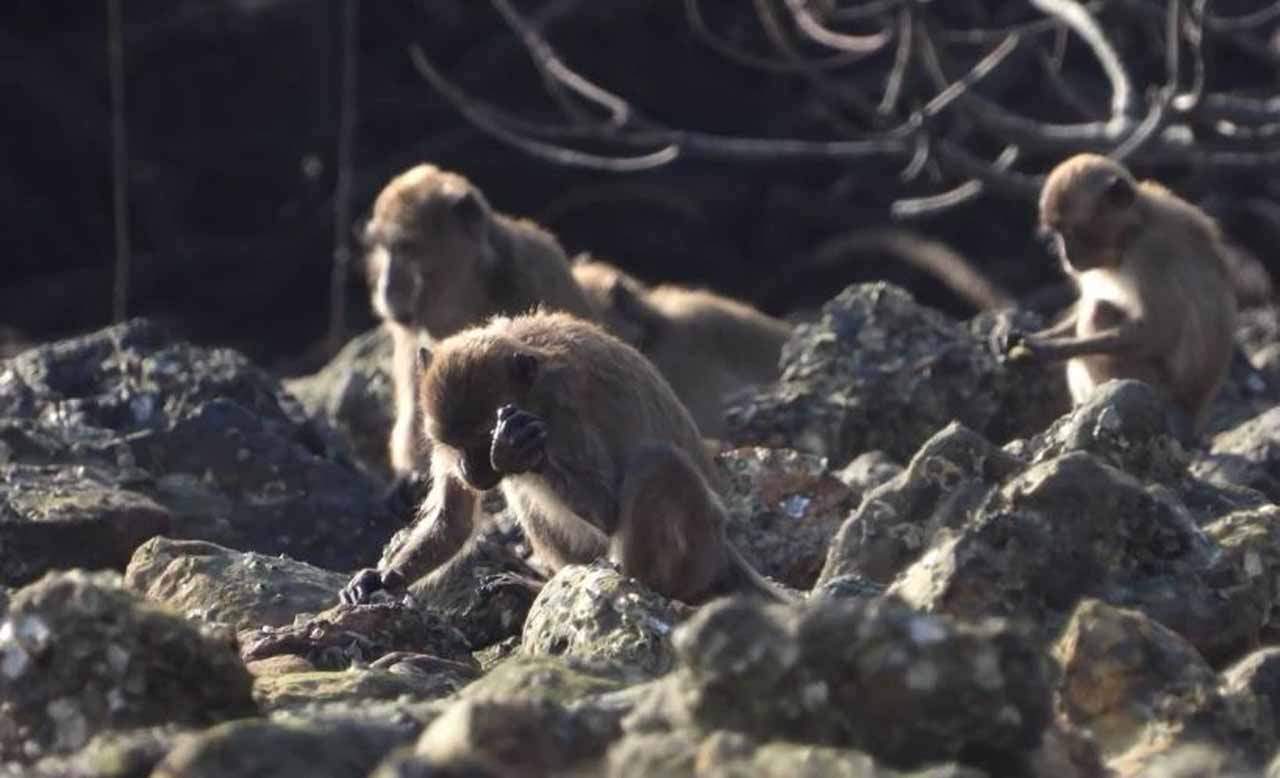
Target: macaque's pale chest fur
x,y
1108,298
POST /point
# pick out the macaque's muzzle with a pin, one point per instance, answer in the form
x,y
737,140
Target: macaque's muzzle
x,y
398,289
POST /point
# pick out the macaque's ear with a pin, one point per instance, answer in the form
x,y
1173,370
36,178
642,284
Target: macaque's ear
x,y
524,368
629,300
1119,193
424,359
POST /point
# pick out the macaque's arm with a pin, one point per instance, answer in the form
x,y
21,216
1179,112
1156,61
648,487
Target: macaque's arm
x,y
1063,327
445,522
1123,339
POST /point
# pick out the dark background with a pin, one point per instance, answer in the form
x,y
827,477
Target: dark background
x,y
232,111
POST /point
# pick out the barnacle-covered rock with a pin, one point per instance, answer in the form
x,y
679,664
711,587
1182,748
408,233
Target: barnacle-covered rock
x,y
81,655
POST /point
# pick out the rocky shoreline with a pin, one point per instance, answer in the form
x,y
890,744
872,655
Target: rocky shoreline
x,y
998,586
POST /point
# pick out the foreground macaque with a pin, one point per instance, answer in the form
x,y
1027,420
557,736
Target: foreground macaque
x,y
1155,293
707,346
590,448
441,259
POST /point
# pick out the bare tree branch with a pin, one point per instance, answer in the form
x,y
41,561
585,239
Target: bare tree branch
x,y
856,44
1080,20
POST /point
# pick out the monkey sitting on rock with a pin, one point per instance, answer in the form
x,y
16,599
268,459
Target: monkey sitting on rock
x,y
1156,300
590,448
440,259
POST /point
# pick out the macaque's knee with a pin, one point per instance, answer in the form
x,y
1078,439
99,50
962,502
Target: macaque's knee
x,y
670,531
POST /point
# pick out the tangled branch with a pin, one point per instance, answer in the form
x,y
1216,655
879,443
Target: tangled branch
x,y
900,80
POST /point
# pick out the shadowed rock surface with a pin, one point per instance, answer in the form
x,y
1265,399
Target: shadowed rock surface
x,y
878,370
174,439
997,590
80,655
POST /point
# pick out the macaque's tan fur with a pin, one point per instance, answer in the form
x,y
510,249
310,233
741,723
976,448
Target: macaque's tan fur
x,y
440,259
706,345
589,446
1155,293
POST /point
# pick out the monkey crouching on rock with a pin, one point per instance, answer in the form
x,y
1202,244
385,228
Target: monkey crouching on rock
x,y
1156,301
440,259
591,449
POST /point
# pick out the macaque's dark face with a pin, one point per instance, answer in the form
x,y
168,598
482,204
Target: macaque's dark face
x,y
394,283
428,255
1086,224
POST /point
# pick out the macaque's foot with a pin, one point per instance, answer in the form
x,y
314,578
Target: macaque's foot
x,y
519,441
406,493
367,582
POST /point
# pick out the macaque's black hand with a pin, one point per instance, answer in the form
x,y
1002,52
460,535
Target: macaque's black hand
x,y
519,441
364,584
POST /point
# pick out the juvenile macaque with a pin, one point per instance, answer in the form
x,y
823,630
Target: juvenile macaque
x,y
1155,292
706,345
588,445
440,259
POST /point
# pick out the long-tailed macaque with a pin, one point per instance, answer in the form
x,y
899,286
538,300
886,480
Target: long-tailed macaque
x,y
589,446
1155,292
706,345
440,259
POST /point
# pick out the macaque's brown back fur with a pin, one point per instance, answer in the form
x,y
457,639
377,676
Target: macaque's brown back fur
x,y
598,386
705,344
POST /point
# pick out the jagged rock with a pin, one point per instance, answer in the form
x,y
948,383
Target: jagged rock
x,y
879,371
1258,330
484,592
1187,761
216,443
430,679
867,471
1073,527
354,393
1257,674
64,517
562,680
784,508
328,749
848,587
681,755
1141,689
130,754
1247,392
594,613
526,738
280,664
205,581
1248,455
1125,424
335,638
909,689
1247,571
897,520
80,655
